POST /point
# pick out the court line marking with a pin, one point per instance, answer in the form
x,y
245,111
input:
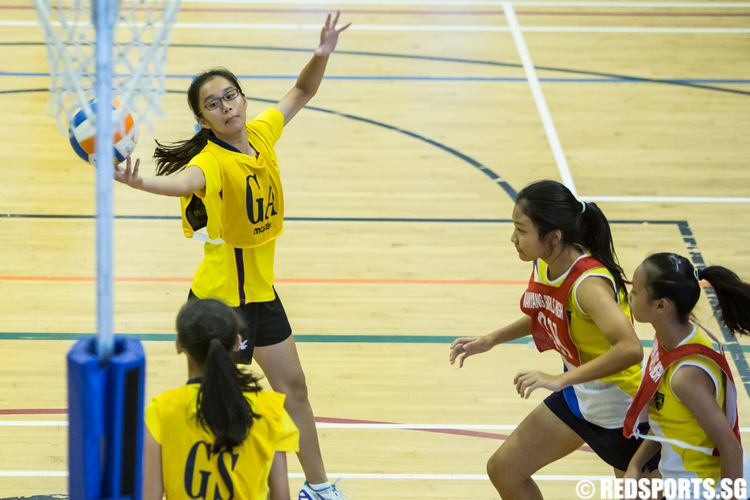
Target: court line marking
x,y
426,27
416,78
348,475
562,3
541,103
603,75
434,12
662,199
324,425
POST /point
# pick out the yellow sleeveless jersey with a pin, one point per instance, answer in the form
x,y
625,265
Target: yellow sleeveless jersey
x,y
242,210
670,419
191,470
603,402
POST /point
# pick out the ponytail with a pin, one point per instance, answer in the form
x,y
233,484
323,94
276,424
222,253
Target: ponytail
x,y
207,329
222,406
551,207
733,295
176,156
673,276
597,238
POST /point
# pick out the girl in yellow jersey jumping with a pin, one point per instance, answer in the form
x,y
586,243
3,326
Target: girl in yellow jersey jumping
x,y
228,179
687,392
220,435
575,304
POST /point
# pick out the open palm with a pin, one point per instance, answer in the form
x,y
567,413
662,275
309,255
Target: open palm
x,y
329,35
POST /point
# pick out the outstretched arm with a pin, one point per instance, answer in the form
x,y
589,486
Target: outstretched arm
x,y
468,346
182,183
311,76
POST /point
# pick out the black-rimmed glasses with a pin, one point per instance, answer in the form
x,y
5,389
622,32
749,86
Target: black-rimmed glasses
x,y
228,97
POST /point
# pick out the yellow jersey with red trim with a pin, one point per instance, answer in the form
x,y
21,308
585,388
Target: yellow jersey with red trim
x,y
669,418
242,210
190,469
605,401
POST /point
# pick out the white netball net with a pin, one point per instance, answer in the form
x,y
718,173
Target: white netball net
x,y
141,32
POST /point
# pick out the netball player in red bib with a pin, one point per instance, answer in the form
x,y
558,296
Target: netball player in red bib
x,y
688,393
576,304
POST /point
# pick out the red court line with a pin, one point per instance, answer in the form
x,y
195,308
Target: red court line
x,y
35,411
326,420
341,281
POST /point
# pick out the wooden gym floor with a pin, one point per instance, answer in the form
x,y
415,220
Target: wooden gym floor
x,y
399,182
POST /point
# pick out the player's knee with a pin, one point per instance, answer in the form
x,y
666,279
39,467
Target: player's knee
x,y
295,387
500,468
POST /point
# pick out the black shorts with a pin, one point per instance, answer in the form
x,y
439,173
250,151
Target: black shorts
x,y
610,444
267,324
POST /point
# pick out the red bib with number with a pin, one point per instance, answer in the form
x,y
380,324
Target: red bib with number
x,y
545,304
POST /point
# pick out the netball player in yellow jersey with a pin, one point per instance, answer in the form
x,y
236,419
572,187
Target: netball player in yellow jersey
x,y
691,404
228,179
219,435
575,304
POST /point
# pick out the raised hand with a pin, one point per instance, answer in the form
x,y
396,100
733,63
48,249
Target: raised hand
x,y
329,35
129,174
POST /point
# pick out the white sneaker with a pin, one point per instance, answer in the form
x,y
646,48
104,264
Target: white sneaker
x,y
330,493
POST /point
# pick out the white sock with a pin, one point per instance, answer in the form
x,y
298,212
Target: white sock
x,y
321,486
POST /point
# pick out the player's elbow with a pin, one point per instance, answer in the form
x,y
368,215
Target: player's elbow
x,y
631,352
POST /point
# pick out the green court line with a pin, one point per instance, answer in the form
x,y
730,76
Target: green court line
x,y
325,339
342,339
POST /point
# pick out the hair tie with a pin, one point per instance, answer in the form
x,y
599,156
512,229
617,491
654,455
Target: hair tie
x,y
695,273
583,206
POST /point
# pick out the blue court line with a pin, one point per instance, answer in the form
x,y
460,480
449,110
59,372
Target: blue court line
x,y
613,77
735,349
412,78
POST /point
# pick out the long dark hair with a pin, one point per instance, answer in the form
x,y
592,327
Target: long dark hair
x,y
673,276
207,329
171,158
551,206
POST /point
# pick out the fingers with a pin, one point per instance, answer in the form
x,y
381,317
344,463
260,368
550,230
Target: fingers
x,y
458,350
526,383
342,29
335,19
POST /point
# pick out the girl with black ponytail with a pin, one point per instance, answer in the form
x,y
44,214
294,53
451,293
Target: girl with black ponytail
x,y
220,435
228,179
576,304
687,392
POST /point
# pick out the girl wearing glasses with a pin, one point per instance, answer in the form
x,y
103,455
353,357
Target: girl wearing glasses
x,y
687,393
228,181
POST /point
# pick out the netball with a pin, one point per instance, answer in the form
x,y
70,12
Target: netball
x,y
82,132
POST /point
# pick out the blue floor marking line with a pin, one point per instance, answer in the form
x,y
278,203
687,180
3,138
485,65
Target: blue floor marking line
x,y
686,82
413,78
736,350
